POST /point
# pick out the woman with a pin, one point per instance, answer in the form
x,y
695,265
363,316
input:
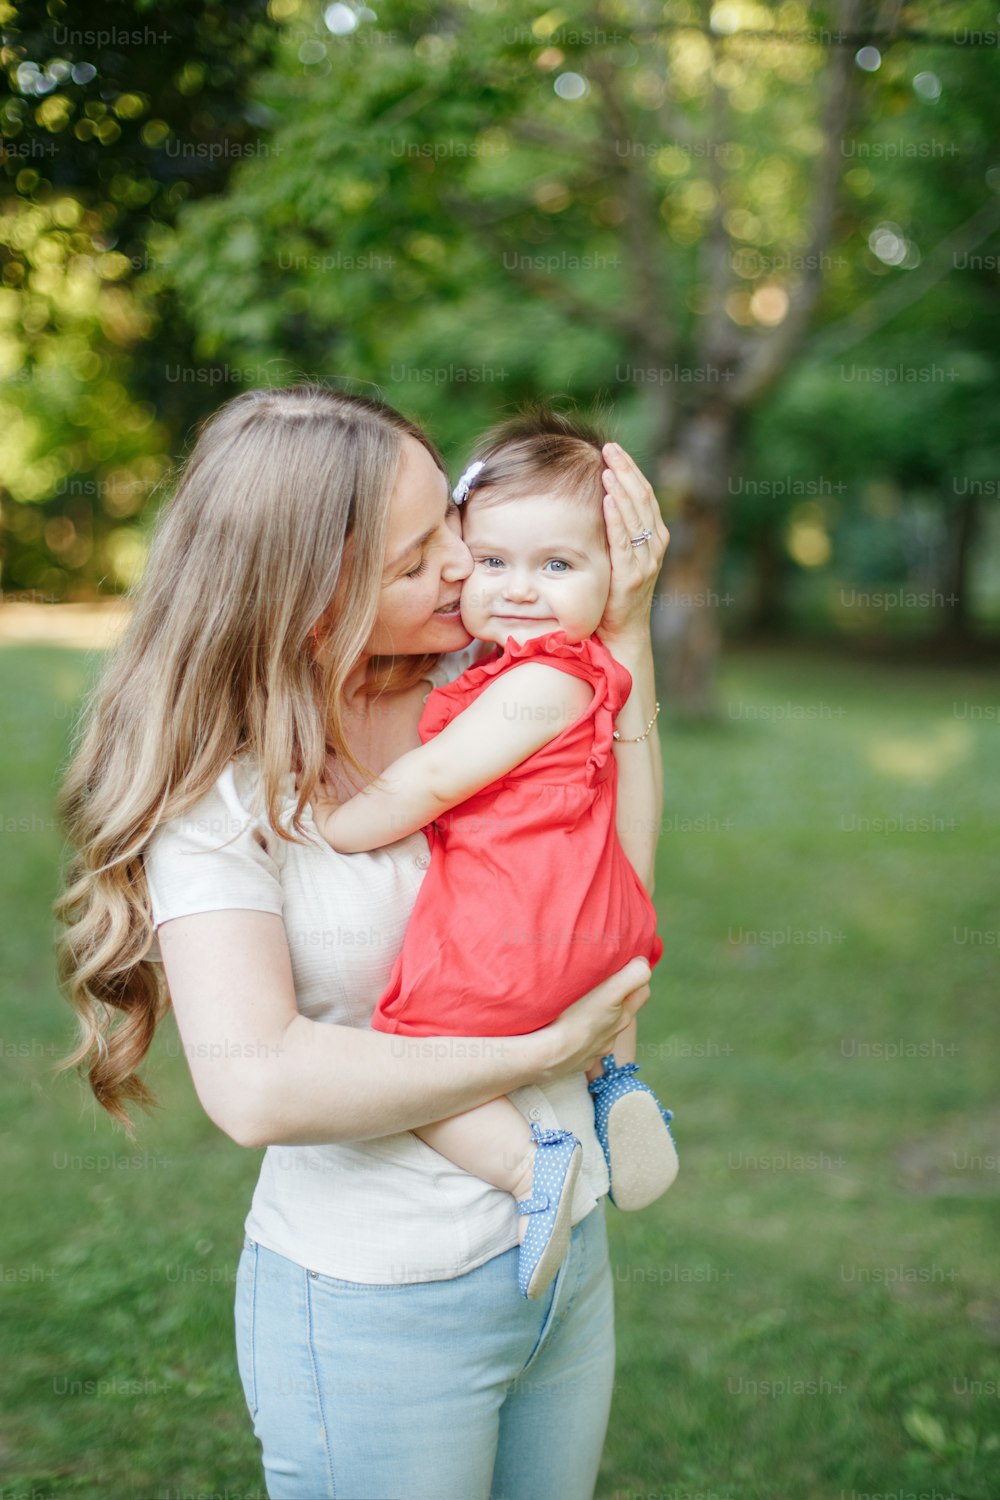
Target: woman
x,y
298,602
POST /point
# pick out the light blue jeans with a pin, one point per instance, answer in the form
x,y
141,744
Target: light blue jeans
x,y
435,1390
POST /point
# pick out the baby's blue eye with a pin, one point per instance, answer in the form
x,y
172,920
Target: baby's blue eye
x,y
561,565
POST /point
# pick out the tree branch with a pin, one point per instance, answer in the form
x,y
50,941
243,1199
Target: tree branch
x,y
616,320
869,316
641,228
718,343
770,355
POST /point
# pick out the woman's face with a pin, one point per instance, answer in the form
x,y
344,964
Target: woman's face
x,y
425,563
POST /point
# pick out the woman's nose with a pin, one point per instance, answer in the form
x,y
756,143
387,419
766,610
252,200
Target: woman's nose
x,y
458,562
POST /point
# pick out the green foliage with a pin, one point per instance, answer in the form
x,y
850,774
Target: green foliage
x,y
888,427
544,178
436,218
113,119
467,206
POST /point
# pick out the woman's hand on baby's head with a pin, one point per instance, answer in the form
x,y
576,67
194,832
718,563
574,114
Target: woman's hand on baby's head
x,y
630,508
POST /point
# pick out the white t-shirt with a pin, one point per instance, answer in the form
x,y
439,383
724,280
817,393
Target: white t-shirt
x,y
381,1211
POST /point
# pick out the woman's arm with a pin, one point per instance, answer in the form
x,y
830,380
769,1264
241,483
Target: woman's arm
x,y
630,507
517,714
267,1075
640,766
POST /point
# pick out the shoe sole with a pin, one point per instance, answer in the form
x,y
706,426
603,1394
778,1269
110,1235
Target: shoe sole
x,y
639,1173
554,1253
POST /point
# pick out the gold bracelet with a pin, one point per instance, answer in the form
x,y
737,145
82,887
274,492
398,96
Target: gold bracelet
x,y
615,735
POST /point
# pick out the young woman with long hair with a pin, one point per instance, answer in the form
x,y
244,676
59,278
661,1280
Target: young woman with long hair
x,y
299,601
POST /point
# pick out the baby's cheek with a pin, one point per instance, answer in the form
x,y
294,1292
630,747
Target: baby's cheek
x,y
472,597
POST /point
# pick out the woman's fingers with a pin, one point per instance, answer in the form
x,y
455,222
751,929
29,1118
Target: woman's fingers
x,y
630,480
636,562
634,570
623,506
634,499
636,974
589,1026
633,1004
634,494
620,529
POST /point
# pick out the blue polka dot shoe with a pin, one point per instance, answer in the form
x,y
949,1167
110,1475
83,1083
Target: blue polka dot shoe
x,y
632,1127
558,1154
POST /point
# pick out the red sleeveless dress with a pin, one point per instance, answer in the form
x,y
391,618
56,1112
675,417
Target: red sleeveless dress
x,y
529,899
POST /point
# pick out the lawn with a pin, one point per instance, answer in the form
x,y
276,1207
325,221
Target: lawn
x,y
811,1313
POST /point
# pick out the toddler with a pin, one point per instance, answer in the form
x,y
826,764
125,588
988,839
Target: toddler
x,y
529,900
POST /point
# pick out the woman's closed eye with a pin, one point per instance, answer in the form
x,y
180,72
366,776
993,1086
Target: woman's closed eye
x,y
451,512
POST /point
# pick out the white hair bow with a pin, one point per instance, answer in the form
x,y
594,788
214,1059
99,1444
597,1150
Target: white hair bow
x,y
461,491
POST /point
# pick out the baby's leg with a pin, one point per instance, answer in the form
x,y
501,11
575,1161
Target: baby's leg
x,y
625,1045
493,1142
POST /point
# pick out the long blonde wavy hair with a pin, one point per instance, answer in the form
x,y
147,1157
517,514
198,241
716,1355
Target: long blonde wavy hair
x,y
219,659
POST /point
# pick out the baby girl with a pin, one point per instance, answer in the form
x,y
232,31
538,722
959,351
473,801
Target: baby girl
x,y
529,899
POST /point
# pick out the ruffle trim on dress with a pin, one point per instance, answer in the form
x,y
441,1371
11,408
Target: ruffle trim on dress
x,y
553,645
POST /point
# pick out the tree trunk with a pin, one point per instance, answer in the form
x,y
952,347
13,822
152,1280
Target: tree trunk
x,y
961,526
767,611
687,613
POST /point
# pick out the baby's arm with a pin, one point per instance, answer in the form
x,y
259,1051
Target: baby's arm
x,y
516,715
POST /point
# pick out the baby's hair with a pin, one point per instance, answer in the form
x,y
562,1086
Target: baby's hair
x,y
540,449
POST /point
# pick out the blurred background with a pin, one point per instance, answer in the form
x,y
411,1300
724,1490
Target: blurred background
x,y
762,240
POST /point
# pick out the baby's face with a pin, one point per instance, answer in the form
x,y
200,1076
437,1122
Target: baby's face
x,y
538,566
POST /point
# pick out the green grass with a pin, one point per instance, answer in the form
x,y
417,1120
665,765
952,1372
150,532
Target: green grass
x,y
812,1312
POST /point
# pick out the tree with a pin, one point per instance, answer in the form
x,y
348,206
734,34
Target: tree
x,y
895,393
113,117
624,200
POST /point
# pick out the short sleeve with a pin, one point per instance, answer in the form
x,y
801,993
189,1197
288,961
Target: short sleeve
x,y
588,659
218,856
